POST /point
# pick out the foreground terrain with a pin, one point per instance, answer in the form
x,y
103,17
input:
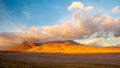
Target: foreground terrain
x,y
52,60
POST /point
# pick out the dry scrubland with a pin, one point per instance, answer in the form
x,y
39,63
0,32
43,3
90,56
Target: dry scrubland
x,y
44,60
5,63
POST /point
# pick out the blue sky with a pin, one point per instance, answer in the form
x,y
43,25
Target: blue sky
x,y
41,12
46,14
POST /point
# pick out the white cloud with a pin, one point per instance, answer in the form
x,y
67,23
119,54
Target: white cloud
x,y
80,6
66,30
85,26
89,8
77,5
69,30
101,41
93,41
116,9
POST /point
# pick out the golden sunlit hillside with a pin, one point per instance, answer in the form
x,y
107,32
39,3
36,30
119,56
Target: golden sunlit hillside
x,y
23,46
71,47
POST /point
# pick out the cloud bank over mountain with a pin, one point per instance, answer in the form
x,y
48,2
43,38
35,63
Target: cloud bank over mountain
x,y
83,24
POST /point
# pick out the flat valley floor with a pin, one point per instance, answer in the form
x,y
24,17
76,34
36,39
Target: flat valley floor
x,y
46,59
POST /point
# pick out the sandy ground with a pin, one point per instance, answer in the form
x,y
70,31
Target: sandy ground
x,y
113,58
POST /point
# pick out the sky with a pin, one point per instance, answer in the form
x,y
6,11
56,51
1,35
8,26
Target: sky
x,y
91,22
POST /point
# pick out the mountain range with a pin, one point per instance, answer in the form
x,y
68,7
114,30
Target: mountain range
x,y
69,47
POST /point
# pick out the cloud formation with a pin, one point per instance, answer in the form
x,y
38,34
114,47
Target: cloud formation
x,y
89,8
101,41
80,6
116,9
75,5
81,26
92,41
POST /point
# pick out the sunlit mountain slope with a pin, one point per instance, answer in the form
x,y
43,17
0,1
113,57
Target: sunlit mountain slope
x,y
71,47
23,46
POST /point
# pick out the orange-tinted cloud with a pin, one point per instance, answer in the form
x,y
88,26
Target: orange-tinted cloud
x,y
81,26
